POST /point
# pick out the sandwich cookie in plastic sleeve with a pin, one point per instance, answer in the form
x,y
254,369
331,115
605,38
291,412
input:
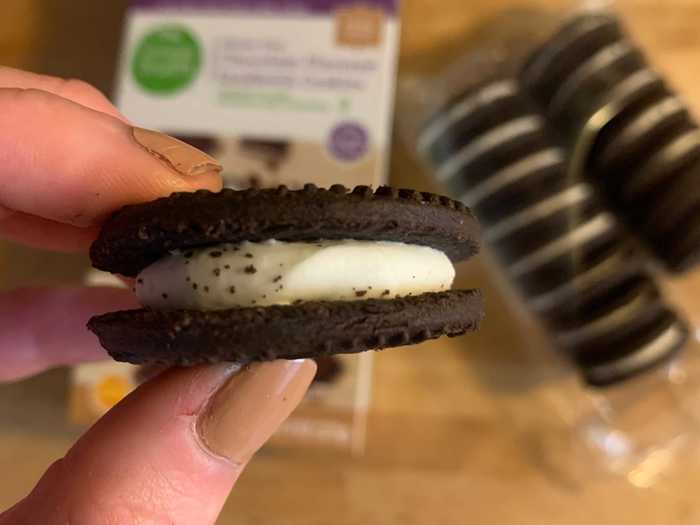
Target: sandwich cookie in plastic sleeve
x,y
561,248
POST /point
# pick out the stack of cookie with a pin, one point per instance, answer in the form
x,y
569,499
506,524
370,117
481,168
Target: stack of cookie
x,y
574,265
642,146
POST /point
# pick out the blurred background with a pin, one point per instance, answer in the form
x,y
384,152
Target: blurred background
x,y
478,429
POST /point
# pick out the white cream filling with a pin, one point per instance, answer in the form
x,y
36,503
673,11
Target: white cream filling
x,y
273,272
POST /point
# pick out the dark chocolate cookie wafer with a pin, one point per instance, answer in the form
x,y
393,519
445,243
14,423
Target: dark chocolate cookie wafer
x,y
138,235
285,331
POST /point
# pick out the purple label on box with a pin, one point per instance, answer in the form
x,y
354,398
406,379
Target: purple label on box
x,y
269,6
348,141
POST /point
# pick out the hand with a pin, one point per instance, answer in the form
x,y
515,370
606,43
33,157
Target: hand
x,y
172,450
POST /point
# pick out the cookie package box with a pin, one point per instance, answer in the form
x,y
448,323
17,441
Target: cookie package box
x,y
280,92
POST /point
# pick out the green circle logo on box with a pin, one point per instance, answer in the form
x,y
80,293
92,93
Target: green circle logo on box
x,y
166,60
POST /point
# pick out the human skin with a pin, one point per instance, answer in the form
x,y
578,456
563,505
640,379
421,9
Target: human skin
x,y
172,450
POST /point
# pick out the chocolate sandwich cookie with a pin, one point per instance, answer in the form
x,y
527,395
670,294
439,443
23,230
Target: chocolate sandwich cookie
x,y
615,95
478,109
573,253
496,156
591,81
624,144
647,162
605,312
274,273
491,154
540,224
614,321
578,39
520,184
630,350
595,302
494,150
586,64
599,270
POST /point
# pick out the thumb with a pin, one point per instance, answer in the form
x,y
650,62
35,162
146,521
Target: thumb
x,y
171,451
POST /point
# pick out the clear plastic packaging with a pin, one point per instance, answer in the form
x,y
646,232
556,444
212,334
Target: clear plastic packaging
x,y
574,154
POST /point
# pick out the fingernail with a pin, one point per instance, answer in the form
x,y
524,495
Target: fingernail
x,y
178,155
251,405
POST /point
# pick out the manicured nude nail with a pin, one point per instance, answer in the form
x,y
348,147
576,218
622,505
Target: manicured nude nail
x,y
178,155
251,405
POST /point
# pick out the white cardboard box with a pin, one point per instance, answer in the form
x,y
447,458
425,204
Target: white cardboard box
x,y
281,92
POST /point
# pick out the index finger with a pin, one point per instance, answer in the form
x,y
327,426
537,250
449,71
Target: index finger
x,y
63,162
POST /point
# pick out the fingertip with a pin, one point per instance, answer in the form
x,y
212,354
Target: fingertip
x,y
208,180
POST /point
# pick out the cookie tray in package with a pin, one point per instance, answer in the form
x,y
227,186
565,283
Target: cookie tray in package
x,y
579,159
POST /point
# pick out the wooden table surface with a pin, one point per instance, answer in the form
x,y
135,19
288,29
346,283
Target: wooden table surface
x,y
460,431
